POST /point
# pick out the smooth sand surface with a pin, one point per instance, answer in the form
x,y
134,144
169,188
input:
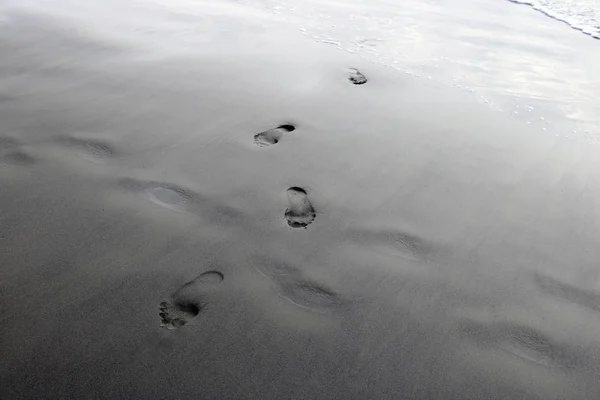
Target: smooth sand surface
x,y
437,249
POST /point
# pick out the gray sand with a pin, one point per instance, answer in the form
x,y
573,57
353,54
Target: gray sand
x,y
453,254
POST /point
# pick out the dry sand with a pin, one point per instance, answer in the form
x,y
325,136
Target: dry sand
x,y
402,241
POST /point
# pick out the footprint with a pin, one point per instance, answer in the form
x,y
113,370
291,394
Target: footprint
x,y
582,297
183,200
173,316
356,77
92,150
189,300
163,194
170,196
300,212
272,136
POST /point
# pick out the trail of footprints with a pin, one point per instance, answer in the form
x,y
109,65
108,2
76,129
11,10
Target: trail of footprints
x,y
191,299
187,302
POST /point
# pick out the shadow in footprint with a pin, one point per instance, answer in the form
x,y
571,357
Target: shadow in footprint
x,y
272,136
189,300
356,77
92,150
300,212
176,315
582,297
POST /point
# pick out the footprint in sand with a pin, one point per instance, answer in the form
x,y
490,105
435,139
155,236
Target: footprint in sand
x,y
183,200
272,136
300,212
92,150
356,77
163,194
189,300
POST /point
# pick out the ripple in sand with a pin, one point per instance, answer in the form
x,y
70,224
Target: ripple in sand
x,y
189,300
522,341
92,150
300,212
395,243
291,285
564,291
17,158
309,294
530,345
11,154
7,142
407,246
356,77
272,136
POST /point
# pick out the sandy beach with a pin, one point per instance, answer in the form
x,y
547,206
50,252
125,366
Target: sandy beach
x,y
266,217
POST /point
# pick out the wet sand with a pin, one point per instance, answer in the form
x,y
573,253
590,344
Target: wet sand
x,y
248,222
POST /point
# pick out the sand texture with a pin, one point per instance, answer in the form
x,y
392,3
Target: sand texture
x,y
277,220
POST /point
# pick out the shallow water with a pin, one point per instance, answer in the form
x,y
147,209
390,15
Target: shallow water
x,y
510,57
439,248
582,15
